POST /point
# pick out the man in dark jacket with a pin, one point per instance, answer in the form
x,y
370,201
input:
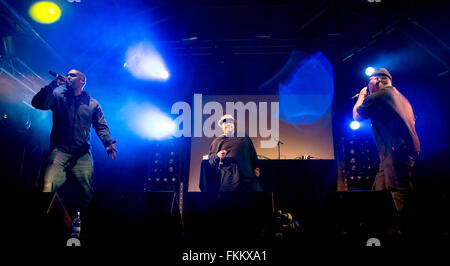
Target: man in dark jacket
x,y
74,111
393,127
235,158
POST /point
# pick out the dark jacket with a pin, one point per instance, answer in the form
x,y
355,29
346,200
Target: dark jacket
x,y
393,122
72,119
237,168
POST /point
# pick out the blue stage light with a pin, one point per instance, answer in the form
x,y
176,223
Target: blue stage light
x,y
355,125
144,62
161,126
156,125
369,71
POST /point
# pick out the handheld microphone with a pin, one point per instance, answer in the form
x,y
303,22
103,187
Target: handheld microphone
x,y
54,74
368,92
220,160
356,96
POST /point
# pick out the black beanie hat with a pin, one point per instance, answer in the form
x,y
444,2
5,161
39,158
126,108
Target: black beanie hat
x,y
381,72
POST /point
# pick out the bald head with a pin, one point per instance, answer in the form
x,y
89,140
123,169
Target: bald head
x,y
76,80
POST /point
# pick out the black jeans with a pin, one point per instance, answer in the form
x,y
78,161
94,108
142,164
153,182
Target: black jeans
x,y
395,175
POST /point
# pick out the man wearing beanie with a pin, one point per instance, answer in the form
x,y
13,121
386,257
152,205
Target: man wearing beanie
x,y
393,128
235,158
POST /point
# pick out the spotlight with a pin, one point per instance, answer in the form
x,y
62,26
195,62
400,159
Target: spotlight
x,y
144,62
164,74
369,71
153,124
45,12
355,125
161,127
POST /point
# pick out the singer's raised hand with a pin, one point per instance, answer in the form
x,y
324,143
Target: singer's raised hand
x,y
359,102
221,154
60,80
363,92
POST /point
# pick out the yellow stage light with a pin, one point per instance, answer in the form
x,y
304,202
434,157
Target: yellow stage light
x,y
45,12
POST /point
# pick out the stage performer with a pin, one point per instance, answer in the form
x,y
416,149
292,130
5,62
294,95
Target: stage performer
x,y
393,128
74,111
235,158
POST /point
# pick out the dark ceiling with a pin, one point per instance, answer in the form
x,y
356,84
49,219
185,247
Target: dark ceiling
x,y
237,38
235,28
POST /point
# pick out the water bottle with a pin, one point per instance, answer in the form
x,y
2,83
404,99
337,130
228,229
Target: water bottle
x,y
76,226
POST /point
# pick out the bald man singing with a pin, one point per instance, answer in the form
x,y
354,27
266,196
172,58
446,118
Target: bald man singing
x,y
74,111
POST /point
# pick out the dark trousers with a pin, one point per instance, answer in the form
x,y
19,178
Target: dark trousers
x,y
58,166
394,175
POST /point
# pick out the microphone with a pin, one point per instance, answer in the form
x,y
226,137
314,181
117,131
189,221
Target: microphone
x,y
220,160
356,96
54,74
368,91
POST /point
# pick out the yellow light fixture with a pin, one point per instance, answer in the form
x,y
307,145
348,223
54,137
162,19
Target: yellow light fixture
x,y
45,12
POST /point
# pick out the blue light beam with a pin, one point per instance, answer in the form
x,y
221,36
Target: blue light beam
x,y
144,62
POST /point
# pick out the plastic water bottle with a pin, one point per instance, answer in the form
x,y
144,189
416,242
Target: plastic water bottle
x,y
76,226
